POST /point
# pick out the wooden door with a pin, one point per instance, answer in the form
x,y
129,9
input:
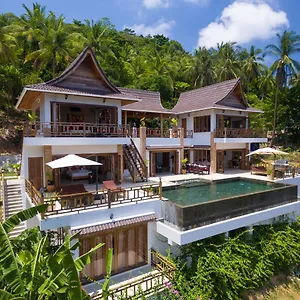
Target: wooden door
x,y
152,163
183,125
35,171
220,161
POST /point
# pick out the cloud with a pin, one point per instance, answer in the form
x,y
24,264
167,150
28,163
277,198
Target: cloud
x,y
160,27
243,21
156,3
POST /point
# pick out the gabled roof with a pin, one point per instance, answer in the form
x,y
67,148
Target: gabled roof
x,y
83,77
217,95
150,101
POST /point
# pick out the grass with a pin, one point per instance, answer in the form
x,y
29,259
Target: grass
x,y
288,291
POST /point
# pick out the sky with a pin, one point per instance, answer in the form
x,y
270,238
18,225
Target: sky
x,y
193,23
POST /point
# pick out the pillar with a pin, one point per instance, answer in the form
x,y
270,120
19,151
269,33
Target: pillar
x,y
191,156
161,125
120,153
213,153
48,158
143,142
247,158
250,229
125,117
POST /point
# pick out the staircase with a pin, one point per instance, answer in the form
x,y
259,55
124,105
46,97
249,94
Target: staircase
x,y
135,163
13,203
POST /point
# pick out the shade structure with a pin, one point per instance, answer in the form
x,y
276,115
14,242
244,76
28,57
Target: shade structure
x,y
70,161
267,151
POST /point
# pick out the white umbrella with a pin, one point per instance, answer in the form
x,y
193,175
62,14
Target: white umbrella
x,y
266,151
71,160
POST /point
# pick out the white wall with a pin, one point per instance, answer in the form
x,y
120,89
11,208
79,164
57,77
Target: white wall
x,y
199,138
46,106
162,142
221,146
240,140
90,217
64,150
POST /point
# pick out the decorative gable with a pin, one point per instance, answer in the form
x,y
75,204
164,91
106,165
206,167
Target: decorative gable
x,y
234,98
85,75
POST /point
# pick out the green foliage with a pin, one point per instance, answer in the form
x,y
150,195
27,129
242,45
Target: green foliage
x,y
30,268
222,268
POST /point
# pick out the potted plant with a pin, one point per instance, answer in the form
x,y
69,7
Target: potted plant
x,y
183,168
50,184
173,130
143,122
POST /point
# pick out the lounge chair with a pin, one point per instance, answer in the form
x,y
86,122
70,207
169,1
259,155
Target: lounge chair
x,y
259,170
111,186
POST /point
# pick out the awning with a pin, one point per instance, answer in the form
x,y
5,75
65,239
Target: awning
x,y
113,224
200,147
175,147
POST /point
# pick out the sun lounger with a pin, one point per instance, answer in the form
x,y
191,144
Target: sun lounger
x,y
111,186
261,170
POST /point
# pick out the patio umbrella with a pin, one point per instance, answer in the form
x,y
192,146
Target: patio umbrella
x,y
266,151
70,161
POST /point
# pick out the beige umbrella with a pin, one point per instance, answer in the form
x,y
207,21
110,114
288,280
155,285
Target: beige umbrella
x,y
266,151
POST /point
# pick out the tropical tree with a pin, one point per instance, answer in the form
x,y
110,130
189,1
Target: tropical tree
x,y
57,45
32,270
252,65
284,66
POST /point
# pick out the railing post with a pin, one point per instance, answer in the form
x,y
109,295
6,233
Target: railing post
x,y
160,189
109,194
42,202
293,171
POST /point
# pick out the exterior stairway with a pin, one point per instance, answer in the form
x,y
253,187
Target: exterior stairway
x,y
13,203
135,163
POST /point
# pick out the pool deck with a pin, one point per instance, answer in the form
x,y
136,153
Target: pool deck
x,y
169,179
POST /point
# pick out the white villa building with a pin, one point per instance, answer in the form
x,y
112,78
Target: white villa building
x,y
81,112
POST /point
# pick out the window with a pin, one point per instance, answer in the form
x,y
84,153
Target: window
x,y
202,124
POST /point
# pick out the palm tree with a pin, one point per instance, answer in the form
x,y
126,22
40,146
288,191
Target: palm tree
x,y
57,45
31,269
226,62
284,66
202,68
252,64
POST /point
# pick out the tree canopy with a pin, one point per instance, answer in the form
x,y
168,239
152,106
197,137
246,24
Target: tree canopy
x,y
38,45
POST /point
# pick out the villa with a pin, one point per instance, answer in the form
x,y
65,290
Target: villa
x,y
81,112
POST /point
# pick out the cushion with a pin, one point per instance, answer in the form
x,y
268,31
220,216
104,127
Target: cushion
x,y
73,168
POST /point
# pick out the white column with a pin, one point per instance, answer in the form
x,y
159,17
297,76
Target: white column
x,y
247,124
119,115
213,121
191,156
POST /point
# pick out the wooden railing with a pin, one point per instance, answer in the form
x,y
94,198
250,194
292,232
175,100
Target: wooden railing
x,y
146,285
239,133
66,129
3,195
59,204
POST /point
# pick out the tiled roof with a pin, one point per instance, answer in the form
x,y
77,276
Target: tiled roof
x,y
51,88
150,101
113,225
206,97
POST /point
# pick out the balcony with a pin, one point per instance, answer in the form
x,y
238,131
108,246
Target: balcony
x,y
165,133
63,204
67,129
240,133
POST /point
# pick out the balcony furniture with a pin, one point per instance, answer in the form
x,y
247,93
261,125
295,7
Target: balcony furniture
x,y
259,170
75,173
111,186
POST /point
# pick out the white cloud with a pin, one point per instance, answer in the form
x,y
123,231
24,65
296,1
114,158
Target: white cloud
x,y
156,3
243,21
160,27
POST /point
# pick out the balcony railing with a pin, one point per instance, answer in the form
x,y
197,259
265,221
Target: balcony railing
x,y
240,133
144,285
60,204
66,129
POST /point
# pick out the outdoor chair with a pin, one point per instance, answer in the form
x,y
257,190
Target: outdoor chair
x,y
109,185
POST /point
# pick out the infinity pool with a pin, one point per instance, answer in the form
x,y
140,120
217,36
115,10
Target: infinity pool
x,y
206,192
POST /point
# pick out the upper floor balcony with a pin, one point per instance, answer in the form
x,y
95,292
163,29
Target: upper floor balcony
x,y
240,133
69,129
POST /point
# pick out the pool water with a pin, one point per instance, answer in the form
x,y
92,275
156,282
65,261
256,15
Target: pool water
x,y
186,196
